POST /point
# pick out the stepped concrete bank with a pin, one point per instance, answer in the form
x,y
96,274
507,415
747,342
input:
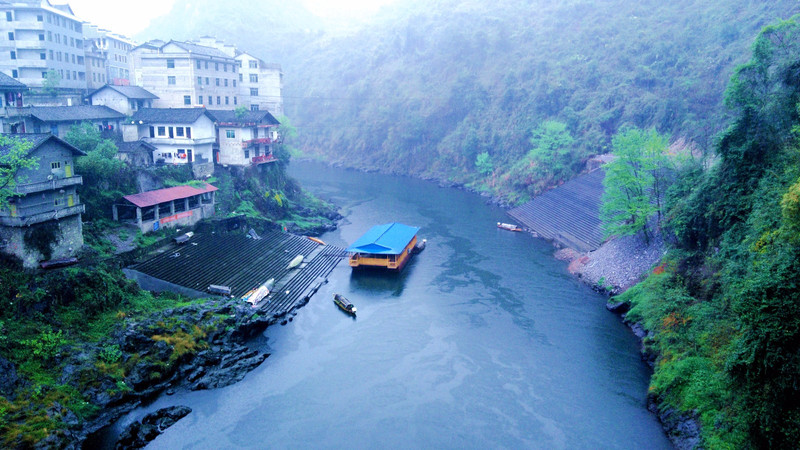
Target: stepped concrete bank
x,y
568,214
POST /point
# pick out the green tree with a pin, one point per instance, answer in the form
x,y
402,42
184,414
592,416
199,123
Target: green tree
x,y
51,82
13,157
240,111
634,182
483,162
551,149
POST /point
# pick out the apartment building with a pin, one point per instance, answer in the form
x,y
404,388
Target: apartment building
x,y
185,74
114,50
37,37
261,84
48,205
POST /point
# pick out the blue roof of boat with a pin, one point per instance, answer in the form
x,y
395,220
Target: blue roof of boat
x,y
386,239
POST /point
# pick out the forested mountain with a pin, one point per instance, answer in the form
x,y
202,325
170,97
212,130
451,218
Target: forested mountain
x,y
428,87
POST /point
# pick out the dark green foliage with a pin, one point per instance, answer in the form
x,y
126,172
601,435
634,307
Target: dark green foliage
x,y
732,298
41,237
11,161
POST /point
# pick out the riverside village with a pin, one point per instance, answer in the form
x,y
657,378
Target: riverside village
x,y
466,224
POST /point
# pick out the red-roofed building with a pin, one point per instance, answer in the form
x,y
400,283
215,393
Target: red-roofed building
x,y
170,207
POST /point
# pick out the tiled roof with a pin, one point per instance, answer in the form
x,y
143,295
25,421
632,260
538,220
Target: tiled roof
x,y
37,139
169,115
135,146
151,198
199,49
73,113
134,92
8,82
249,117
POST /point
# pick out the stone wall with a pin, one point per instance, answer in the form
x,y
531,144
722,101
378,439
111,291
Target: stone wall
x,y
69,239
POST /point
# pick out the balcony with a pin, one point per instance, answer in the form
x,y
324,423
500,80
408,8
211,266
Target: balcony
x,y
263,159
28,216
49,185
30,44
35,63
28,25
251,142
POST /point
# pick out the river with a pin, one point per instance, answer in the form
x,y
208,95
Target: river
x,y
483,341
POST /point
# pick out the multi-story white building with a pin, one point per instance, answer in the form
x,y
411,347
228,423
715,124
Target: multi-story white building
x,y
261,84
184,74
180,135
37,37
114,49
245,139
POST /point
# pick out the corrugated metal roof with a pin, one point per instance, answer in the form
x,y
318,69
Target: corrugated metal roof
x,y
151,198
386,239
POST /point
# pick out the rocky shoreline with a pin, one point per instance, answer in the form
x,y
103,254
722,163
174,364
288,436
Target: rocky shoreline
x,y
155,366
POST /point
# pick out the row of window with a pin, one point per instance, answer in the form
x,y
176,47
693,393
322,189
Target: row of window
x,y
253,64
180,153
51,18
188,101
204,64
172,132
77,43
171,80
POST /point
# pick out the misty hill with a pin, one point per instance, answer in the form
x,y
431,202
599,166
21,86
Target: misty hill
x,y
427,87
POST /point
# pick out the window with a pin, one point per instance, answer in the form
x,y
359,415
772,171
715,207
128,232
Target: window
x,y
234,99
240,77
39,18
152,132
171,80
210,100
224,67
230,134
10,35
55,165
162,131
200,100
41,37
71,42
187,100
254,78
8,16
253,64
44,74
198,64
206,64
14,73
206,81
51,54
179,131
50,36
218,102
217,81
13,54
188,132
216,67
254,92
226,99
226,82
170,64
247,154
58,201
43,55
199,80
254,107
73,59
234,83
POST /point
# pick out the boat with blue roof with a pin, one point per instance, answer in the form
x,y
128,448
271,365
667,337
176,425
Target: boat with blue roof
x,y
388,246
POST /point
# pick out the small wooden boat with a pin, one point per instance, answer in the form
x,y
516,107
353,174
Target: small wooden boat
x,y
508,226
344,304
55,263
318,241
219,289
295,262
